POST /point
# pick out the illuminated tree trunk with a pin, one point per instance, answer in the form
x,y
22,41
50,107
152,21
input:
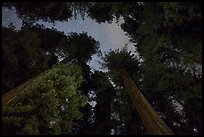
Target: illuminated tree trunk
x,y
151,120
9,97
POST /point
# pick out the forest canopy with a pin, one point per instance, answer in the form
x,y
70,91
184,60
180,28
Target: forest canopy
x,y
47,83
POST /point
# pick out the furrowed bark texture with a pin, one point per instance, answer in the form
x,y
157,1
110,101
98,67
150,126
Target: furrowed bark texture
x,y
151,120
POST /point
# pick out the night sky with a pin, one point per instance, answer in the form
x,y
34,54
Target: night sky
x,y
110,36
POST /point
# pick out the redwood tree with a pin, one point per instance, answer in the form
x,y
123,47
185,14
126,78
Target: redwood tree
x,y
118,63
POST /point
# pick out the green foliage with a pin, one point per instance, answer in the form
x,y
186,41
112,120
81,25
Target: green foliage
x,y
118,60
48,105
22,58
180,26
81,47
102,111
123,113
28,52
20,64
168,37
170,44
110,113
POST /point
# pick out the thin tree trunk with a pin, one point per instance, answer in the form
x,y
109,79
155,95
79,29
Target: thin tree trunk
x,y
151,120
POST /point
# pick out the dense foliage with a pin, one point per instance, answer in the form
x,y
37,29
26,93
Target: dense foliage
x,y
167,36
48,105
28,52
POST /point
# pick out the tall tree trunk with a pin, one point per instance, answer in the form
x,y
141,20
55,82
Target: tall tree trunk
x,y
10,97
151,120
